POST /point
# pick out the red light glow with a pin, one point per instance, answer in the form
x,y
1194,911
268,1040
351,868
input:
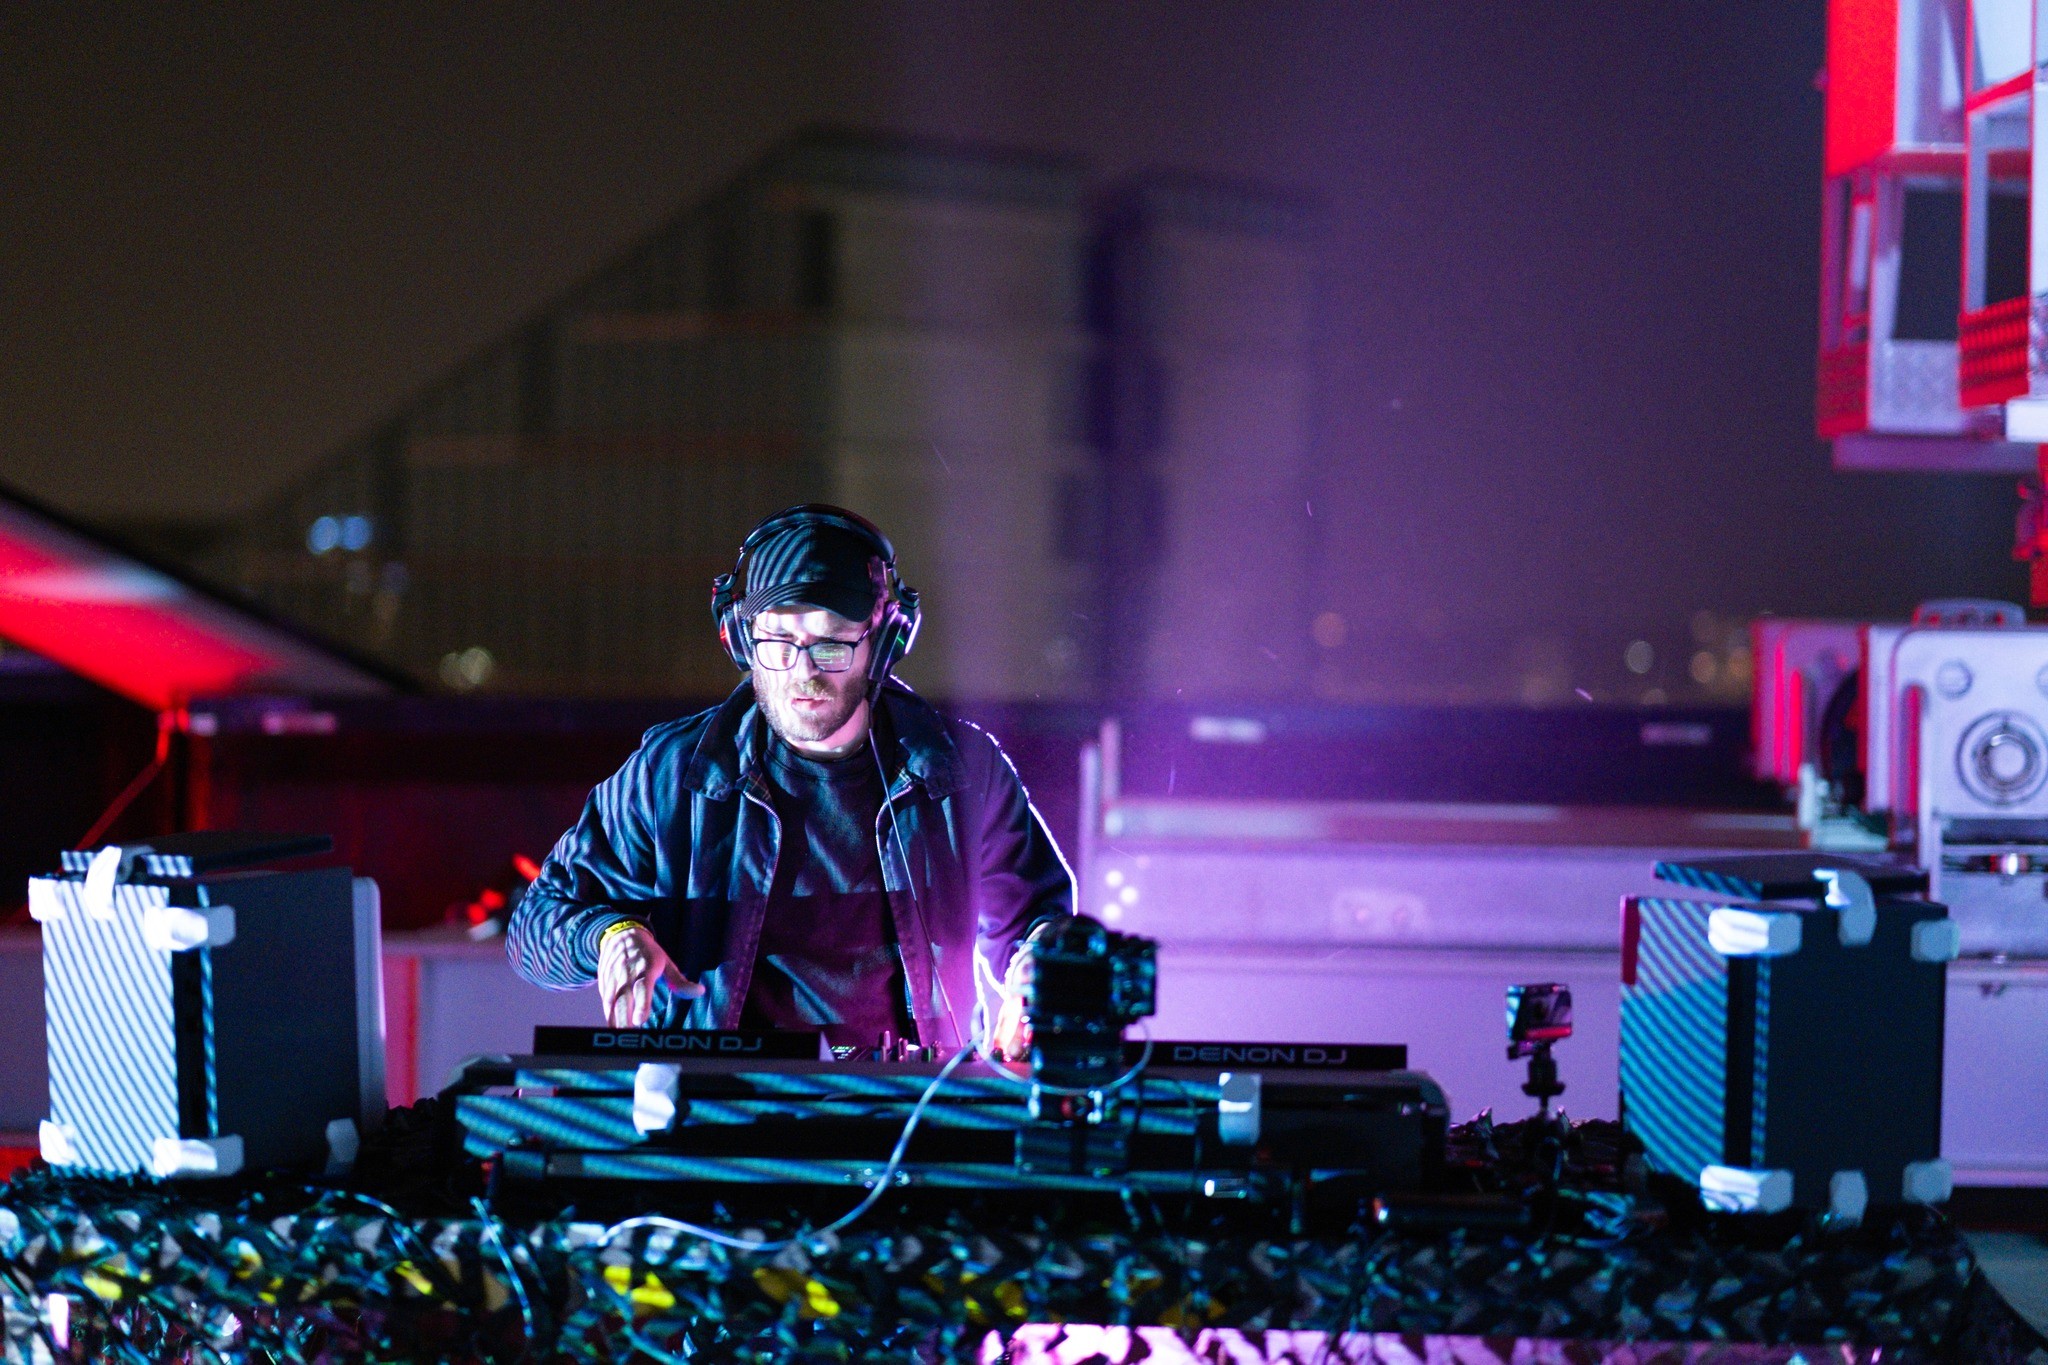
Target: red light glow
x,y
140,632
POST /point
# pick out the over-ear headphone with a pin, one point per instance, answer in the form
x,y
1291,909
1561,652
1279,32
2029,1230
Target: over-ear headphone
x,y
893,635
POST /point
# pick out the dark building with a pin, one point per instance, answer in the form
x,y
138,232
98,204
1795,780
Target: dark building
x,y
1068,409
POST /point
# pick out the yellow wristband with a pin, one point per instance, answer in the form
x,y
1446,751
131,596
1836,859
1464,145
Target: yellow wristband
x,y
613,930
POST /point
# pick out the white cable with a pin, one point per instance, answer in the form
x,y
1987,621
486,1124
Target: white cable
x,y
881,1187
984,972
1137,1069
888,1176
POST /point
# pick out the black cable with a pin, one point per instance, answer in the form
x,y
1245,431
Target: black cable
x,y
883,1184
490,1230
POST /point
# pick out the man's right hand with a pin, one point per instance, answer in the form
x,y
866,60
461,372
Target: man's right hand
x,y
628,965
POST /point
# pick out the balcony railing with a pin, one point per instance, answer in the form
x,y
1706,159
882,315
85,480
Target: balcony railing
x,y
1993,343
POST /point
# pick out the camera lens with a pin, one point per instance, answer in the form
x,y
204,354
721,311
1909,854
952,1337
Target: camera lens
x,y
2003,759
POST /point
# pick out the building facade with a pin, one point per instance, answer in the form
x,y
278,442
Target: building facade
x,y
1078,415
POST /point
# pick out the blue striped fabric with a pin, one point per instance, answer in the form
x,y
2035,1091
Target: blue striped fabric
x,y
1786,876
590,1120
651,1165
493,1123
112,1046
1707,879
841,1081
1674,1038
1861,1026
1759,1112
974,1117
833,1081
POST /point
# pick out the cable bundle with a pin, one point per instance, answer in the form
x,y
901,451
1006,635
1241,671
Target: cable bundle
x,y
224,1274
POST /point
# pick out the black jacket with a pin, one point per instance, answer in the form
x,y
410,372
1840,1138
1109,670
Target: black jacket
x,y
684,839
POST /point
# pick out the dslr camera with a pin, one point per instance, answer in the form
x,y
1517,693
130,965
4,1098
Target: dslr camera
x,y
1083,985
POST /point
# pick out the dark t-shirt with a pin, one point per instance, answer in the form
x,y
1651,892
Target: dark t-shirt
x,y
828,957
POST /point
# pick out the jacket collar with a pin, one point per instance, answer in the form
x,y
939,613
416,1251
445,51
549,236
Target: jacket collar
x,y
912,737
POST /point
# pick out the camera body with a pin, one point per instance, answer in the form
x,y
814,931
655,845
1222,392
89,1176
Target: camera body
x,y
1538,1015
1083,985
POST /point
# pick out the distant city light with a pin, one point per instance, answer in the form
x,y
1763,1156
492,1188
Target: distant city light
x,y
339,533
464,669
1639,656
1329,630
1705,667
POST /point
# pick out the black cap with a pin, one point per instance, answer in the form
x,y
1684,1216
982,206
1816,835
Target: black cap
x,y
812,564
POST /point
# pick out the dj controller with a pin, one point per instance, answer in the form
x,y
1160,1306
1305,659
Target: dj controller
x,y
1268,1122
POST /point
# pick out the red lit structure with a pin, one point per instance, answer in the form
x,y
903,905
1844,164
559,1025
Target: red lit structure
x,y
1997,178
1924,247
147,632
1934,279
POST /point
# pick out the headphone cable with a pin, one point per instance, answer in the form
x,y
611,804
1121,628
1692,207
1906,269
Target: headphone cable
x,y
910,882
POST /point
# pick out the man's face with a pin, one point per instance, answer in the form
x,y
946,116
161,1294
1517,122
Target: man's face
x,y
809,709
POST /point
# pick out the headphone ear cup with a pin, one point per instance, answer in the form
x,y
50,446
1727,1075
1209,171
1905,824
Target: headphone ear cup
x,y
732,635
896,634
909,616
882,653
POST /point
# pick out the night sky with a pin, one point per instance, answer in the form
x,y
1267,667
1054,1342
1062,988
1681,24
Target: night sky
x,y
1571,299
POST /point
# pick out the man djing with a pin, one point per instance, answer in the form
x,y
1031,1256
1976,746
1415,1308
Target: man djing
x,y
823,850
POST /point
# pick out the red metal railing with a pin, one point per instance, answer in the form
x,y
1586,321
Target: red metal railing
x,y
1993,343
1842,400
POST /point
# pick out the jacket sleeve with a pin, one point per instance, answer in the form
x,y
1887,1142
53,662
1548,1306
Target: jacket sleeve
x,y
602,872
1024,880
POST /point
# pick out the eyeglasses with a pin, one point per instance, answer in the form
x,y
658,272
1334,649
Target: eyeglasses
x,y
827,656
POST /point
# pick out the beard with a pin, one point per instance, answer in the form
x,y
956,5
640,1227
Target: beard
x,y
841,693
